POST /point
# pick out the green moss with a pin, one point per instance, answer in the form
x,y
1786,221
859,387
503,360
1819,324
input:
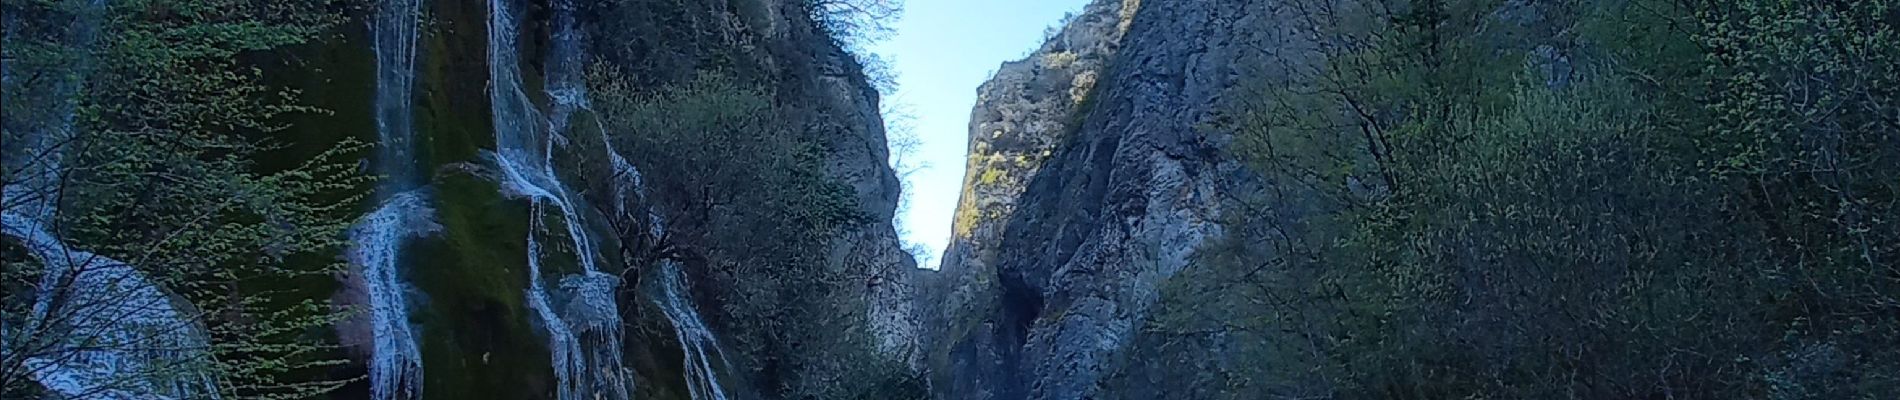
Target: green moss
x,y
654,353
476,339
967,218
452,109
991,176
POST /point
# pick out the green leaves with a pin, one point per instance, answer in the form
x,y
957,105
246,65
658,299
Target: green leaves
x,y
1705,211
716,143
162,171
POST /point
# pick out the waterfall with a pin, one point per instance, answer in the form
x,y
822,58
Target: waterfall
x,y
568,91
694,338
99,328
395,367
394,31
584,328
120,336
524,161
698,346
46,130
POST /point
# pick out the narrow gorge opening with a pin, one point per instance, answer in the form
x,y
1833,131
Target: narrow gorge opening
x,y
985,200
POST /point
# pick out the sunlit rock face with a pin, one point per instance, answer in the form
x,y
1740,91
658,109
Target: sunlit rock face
x,y
1098,169
1089,188
1026,116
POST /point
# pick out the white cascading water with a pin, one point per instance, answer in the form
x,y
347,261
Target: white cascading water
x,y
102,328
46,132
524,160
695,340
120,336
570,95
394,31
584,331
395,365
568,91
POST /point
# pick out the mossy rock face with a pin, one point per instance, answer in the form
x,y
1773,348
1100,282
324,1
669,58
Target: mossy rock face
x,y
452,109
476,339
335,73
652,350
479,338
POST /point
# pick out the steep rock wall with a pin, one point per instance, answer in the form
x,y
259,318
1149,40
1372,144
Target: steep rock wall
x,y
1080,223
479,339
1023,115
1052,279
863,280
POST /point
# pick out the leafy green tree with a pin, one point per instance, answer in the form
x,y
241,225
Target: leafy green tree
x,y
751,212
1666,199
161,167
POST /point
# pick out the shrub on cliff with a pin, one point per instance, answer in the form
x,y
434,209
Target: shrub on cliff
x,y
751,211
717,147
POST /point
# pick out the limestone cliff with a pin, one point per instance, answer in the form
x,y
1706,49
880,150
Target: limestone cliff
x,y
1023,115
1082,201
1103,167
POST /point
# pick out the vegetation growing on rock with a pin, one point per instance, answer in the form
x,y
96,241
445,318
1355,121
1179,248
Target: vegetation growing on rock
x,y
1663,199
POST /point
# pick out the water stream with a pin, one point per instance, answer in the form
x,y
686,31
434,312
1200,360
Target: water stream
x,y
98,328
395,367
696,341
118,335
582,320
569,94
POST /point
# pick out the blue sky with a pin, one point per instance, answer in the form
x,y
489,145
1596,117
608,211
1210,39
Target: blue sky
x,y
943,50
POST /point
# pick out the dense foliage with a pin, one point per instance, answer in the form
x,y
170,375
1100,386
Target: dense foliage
x,y
743,163
750,206
1644,199
182,164
161,168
